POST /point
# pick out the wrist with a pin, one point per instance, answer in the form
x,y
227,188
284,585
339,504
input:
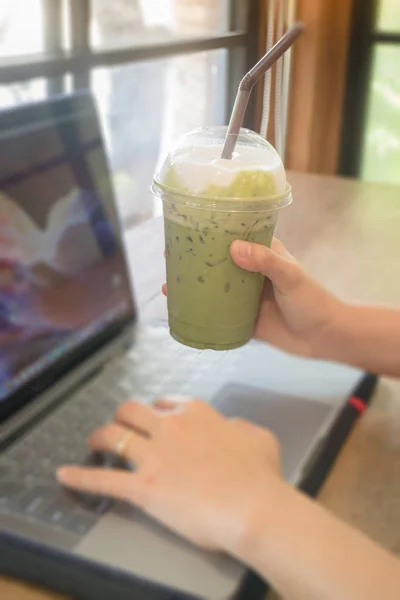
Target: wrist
x,y
265,515
332,339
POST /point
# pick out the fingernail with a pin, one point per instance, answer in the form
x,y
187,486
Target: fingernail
x,y
176,398
61,474
243,249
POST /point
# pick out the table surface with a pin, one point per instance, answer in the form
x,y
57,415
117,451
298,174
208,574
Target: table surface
x,y
346,234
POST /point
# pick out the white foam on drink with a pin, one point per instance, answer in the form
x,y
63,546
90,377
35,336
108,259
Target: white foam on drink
x,y
202,166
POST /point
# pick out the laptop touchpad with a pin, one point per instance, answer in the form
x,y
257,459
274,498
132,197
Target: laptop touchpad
x,y
295,421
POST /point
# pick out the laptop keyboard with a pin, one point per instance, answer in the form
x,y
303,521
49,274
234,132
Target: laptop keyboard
x,y
155,365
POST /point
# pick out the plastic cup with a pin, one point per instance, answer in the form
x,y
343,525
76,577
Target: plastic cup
x,y
212,303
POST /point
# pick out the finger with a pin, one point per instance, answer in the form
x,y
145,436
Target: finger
x,y
119,440
173,403
285,274
185,405
171,400
115,484
279,248
164,253
164,289
139,416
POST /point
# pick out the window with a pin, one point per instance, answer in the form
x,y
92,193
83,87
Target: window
x,y
157,68
20,93
371,128
380,158
388,15
21,36
145,106
118,23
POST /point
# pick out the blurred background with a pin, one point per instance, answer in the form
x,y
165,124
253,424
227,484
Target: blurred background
x,y
158,68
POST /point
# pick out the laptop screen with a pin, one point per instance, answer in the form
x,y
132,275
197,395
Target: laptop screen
x,y
63,279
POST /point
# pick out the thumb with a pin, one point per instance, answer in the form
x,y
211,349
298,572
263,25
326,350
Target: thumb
x,y
281,269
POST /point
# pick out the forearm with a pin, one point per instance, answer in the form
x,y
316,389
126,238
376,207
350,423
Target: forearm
x,y
365,337
305,553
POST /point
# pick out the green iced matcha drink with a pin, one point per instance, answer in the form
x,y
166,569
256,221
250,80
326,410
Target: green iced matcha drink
x,y
208,203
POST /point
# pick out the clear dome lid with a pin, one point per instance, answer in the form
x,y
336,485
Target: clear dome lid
x,y
194,167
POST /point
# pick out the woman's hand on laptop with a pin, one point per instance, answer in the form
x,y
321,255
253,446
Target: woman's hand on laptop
x,y
202,475
218,483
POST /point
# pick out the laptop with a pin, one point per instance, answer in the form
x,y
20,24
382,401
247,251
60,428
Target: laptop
x,y
72,350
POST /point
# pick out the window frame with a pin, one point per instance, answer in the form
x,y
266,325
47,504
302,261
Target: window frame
x,y
241,42
363,38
